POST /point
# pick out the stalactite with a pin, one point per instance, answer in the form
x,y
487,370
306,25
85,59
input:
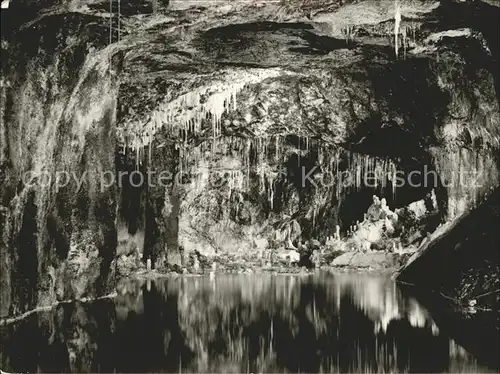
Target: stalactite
x,y
150,146
397,22
277,149
110,22
137,158
119,16
404,42
110,31
393,181
348,31
271,194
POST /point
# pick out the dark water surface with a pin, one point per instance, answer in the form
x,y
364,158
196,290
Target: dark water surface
x,y
238,323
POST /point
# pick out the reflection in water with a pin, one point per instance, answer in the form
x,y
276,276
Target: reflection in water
x,y
244,323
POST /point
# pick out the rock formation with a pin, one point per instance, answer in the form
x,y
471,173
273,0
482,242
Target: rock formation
x,y
241,113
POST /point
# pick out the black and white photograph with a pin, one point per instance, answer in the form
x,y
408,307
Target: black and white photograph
x,y
250,186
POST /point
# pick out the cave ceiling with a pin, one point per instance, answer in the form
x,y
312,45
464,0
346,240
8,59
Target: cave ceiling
x,y
343,71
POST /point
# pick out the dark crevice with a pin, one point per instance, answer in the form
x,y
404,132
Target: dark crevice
x,y
26,269
232,30
132,192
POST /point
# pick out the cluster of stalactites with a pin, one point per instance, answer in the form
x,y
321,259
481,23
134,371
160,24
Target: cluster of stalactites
x,y
342,171
242,160
187,113
352,170
239,161
404,33
348,32
243,156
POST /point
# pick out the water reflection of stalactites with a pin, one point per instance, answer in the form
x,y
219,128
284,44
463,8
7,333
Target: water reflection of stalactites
x,y
85,330
149,339
128,299
80,343
267,322
236,324
226,319
65,339
382,302
234,321
461,361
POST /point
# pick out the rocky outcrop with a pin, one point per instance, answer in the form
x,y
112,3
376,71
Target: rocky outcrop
x,y
240,101
461,259
59,122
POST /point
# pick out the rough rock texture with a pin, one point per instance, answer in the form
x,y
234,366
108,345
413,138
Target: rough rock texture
x,y
254,90
375,261
59,113
461,260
